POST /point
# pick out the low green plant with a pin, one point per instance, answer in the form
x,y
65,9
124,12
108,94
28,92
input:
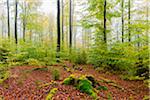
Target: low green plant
x,y
3,54
32,62
56,74
78,56
81,58
4,75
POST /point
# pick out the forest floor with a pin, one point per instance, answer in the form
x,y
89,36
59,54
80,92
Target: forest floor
x,y
26,84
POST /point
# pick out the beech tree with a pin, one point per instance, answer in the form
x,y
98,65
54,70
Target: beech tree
x,y
105,36
62,12
129,21
58,28
16,15
122,18
8,22
70,24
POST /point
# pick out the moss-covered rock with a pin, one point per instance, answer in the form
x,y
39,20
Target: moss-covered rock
x,y
84,83
69,80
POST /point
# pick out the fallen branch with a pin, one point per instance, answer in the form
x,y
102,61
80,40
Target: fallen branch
x,y
47,84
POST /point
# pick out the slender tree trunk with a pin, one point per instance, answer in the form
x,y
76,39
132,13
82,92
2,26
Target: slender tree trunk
x,y
16,15
2,29
75,39
62,21
58,29
122,17
129,23
2,24
8,22
83,40
67,33
147,19
105,36
70,25
24,22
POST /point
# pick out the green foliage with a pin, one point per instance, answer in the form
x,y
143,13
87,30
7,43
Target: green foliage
x,y
3,54
51,94
81,58
120,58
32,62
24,53
4,75
85,86
56,74
78,56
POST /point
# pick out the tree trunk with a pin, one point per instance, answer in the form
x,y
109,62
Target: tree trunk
x,y
129,23
16,14
70,25
147,19
8,22
62,22
58,28
24,22
122,17
105,36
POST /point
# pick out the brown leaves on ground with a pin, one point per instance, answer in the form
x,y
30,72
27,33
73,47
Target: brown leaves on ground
x,y
24,84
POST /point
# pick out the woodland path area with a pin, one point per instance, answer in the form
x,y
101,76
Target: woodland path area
x,y
27,84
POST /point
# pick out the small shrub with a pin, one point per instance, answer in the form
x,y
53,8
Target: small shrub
x,y
4,75
3,54
81,58
78,57
56,74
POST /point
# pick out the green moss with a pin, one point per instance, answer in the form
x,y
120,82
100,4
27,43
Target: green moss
x,y
85,86
51,94
102,88
70,80
82,84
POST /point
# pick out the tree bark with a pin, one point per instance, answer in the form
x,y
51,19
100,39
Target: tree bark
x,y
16,15
122,17
62,21
24,22
8,21
105,37
129,23
58,28
70,25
